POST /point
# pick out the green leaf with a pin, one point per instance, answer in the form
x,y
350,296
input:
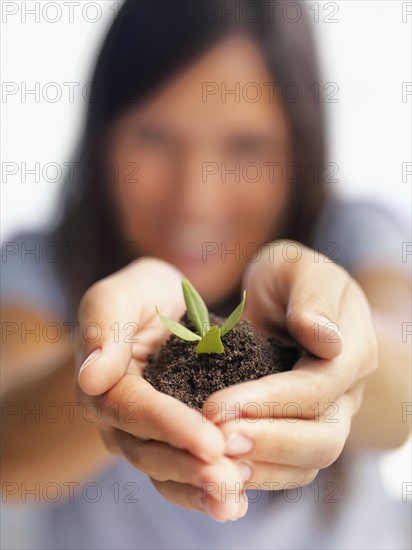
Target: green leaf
x,y
178,329
211,342
196,308
233,317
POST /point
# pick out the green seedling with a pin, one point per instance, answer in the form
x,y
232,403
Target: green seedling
x,y
209,338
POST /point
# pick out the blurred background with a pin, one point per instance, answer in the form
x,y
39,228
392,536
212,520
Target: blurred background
x,y
48,50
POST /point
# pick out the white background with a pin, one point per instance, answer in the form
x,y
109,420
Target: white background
x,y
367,52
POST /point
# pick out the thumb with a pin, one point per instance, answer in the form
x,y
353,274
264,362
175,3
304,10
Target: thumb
x,y
107,337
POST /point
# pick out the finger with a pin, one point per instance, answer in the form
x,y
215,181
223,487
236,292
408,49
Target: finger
x,y
301,294
227,507
193,498
121,310
106,351
312,384
314,306
163,462
107,434
305,391
266,476
135,406
303,443
315,323
181,494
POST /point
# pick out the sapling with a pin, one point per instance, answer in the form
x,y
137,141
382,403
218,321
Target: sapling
x,y
227,351
209,337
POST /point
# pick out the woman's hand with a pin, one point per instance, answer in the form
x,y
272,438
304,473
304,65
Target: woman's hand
x,y
289,425
179,449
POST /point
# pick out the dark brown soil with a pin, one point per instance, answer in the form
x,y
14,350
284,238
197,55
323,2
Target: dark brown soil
x,y
191,377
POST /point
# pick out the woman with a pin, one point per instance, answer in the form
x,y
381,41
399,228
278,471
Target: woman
x,y
189,100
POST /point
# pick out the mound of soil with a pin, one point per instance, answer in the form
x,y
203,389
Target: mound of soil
x,y
179,371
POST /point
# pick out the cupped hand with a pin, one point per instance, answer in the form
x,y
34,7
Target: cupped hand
x,y
288,426
181,451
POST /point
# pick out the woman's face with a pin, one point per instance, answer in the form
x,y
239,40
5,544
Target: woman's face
x,y
197,168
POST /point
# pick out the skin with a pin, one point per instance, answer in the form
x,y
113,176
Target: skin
x,y
300,294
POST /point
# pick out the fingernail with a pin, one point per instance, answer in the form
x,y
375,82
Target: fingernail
x,y
89,359
245,470
238,444
322,321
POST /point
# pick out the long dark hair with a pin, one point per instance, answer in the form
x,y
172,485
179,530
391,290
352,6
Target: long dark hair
x,y
149,41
